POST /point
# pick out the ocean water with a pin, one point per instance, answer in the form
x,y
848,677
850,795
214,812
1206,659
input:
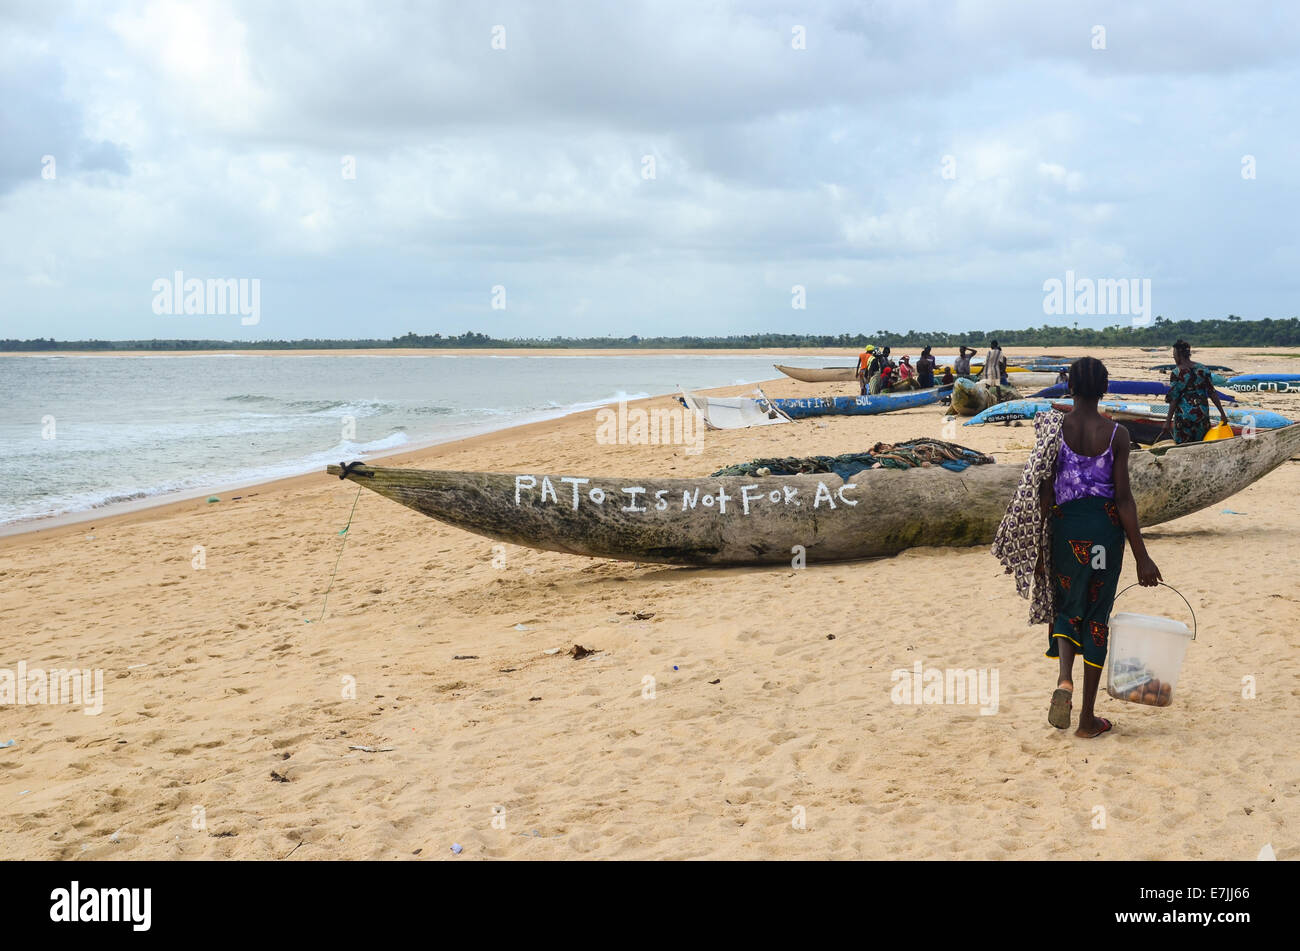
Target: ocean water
x,y
83,432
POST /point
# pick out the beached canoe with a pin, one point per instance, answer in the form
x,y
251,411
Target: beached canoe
x,y
1169,367
971,397
1265,383
741,520
848,374
822,375
733,412
1145,430
1125,388
1027,409
858,405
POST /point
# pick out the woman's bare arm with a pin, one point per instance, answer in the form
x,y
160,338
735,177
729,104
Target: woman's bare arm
x,y
1217,405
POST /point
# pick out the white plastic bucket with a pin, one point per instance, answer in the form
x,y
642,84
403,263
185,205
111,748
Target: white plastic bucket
x,y
1146,656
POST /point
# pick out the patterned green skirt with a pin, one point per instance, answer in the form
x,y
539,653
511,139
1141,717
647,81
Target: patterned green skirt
x,y
1087,554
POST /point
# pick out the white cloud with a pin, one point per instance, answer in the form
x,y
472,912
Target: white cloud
x,y
209,136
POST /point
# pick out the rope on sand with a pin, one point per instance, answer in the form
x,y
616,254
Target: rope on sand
x,y
344,533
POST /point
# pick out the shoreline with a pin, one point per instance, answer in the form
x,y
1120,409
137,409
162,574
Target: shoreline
x,y
143,510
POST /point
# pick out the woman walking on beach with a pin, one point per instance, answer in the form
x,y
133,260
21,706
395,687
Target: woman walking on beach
x,y
1190,390
1064,534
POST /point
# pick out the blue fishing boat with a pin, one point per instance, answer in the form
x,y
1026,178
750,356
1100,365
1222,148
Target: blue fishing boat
x,y
1265,383
1169,367
1028,409
1124,388
808,407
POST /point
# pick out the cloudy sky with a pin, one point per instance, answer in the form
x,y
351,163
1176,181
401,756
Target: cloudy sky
x,y
622,167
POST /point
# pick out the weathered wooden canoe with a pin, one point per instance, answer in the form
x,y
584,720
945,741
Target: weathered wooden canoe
x,y
744,521
822,375
848,374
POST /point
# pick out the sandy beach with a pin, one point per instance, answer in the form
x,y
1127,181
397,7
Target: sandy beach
x,y
725,713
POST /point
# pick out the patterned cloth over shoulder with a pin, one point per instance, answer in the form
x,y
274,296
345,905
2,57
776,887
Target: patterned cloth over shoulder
x,y
1024,538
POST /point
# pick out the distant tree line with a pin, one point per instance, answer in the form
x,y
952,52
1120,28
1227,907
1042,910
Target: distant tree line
x,y
1230,332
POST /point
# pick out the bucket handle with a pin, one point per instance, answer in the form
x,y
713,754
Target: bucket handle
x,y
1175,591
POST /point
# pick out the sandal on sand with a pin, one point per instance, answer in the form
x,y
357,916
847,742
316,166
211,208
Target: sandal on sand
x,y
1059,714
1105,729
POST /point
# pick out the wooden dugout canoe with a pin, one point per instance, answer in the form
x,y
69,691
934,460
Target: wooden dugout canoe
x,y
819,374
849,374
759,520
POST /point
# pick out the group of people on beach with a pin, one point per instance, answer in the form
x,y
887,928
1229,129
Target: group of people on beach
x,y
1064,531
878,373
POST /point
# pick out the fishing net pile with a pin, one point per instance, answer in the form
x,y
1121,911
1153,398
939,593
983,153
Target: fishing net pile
x,y
913,454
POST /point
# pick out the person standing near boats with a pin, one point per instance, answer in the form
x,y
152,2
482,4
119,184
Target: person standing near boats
x,y
993,364
868,366
925,369
1190,390
1063,535
961,366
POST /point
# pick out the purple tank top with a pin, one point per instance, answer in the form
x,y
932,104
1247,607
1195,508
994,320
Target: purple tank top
x,y
1079,476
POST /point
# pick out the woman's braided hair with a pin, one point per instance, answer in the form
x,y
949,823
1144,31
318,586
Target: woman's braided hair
x,y
1088,378
1183,347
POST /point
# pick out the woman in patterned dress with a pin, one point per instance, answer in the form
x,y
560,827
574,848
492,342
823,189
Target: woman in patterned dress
x,y
1063,535
1190,390
1093,513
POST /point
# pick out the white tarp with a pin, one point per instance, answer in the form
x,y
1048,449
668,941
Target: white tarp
x,y
734,412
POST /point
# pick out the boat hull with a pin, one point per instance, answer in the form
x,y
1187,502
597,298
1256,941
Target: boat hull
x,y
1028,409
1123,388
822,375
858,405
1265,383
771,520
